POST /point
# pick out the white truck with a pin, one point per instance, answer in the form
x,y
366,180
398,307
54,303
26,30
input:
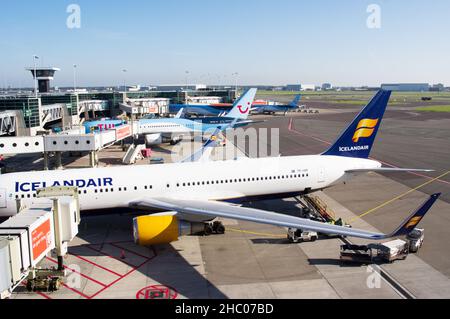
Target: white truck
x,y
297,235
393,250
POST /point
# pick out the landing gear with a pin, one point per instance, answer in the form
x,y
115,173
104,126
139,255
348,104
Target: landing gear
x,y
214,228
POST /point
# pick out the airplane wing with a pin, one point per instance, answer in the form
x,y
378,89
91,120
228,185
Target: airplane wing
x,y
388,170
218,209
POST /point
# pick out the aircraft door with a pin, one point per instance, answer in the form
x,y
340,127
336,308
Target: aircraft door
x,y
2,198
321,177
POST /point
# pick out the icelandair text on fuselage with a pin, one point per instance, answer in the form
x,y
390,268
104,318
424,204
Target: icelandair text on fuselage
x,y
353,148
80,183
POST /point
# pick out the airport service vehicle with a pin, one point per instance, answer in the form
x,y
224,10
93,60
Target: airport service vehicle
x,y
360,254
393,250
277,108
297,235
186,194
172,130
415,240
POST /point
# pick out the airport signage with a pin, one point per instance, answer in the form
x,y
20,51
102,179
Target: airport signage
x,y
123,132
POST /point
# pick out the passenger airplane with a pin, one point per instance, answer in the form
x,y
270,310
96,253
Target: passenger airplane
x,y
277,108
196,192
172,130
202,109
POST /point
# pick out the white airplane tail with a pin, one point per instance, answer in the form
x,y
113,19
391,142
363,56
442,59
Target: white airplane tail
x,y
241,108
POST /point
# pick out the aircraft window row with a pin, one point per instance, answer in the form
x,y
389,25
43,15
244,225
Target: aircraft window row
x,y
101,190
34,195
242,180
150,126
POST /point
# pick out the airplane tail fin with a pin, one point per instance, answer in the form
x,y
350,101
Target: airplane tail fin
x,y
241,108
358,138
412,221
295,102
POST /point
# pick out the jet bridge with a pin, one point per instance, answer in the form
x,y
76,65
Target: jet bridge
x,y
7,122
28,237
52,112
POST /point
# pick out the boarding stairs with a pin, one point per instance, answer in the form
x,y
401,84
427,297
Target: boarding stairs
x,y
133,153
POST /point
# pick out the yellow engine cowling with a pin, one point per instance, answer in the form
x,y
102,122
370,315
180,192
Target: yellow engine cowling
x,y
162,229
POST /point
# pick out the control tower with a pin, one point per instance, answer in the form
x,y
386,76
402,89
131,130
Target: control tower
x,y
43,76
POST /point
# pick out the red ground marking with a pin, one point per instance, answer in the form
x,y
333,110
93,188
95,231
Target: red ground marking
x,y
105,287
113,257
291,127
97,265
24,283
119,279
157,292
129,250
77,272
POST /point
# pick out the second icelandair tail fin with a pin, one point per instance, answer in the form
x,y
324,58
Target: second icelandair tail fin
x,y
358,138
410,223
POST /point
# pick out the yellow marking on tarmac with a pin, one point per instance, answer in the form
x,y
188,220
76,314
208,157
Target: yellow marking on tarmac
x,y
398,197
255,233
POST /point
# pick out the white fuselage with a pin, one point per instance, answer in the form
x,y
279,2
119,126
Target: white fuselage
x,y
115,187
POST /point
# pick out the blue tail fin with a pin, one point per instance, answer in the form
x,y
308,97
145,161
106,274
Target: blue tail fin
x,y
297,99
358,138
415,218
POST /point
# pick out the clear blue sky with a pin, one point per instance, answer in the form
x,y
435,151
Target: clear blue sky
x,y
267,42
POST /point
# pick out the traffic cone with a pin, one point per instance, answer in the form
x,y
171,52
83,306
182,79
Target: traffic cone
x,y
122,254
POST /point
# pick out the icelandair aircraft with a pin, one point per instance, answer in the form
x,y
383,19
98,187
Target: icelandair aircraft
x,y
190,193
171,130
277,108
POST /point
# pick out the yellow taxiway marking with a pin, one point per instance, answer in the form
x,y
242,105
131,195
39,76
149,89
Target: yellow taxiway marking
x,y
255,233
398,197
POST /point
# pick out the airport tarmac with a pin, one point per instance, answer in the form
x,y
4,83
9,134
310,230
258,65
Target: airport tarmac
x,y
256,261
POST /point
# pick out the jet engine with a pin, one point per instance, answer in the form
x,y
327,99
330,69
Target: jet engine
x,y
158,138
162,228
153,139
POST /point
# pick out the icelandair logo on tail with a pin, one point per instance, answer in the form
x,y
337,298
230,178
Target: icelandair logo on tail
x,y
413,222
365,129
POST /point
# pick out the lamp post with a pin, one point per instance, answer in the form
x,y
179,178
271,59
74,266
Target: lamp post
x,y
74,78
236,74
35,57
124,79
187,75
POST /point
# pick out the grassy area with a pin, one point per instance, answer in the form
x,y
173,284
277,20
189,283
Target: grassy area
x,y
435,108
359,98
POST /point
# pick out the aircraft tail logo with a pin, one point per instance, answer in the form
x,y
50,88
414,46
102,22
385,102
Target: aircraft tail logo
x,y
365,128
241,108
244,110
358,138
413,222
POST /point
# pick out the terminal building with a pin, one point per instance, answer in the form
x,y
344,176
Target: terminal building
x,y
31,114
406,87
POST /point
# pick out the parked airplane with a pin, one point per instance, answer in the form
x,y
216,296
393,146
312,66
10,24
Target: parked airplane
x,y
202,109
172,130
191,193
277,108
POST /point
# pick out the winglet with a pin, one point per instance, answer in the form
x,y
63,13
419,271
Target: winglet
x,y
241,108
412,221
